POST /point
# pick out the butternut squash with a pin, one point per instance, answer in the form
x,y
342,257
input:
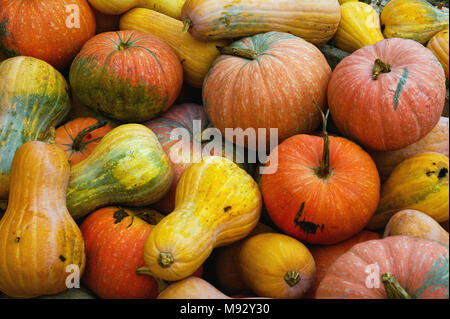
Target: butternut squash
x,y
171,8
216,203
38,237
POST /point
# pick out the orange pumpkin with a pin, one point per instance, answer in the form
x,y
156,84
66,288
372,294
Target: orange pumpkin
x,y
324,190
79,137
53,31
388,95
267,81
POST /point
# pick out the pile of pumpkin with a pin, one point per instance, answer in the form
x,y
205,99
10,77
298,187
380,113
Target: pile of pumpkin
x,y
91,180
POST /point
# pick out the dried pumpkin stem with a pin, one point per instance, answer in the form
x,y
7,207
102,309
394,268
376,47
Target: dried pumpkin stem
x,y
323,170
162,284
76,145
393,288
51,135
187,24
292,278
380,67
165,260
239,52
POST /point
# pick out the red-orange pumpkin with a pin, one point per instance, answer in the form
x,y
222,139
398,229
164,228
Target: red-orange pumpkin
x,y
79,137
129,76
393,267
53,31
267,81
388,95
326,255
324,191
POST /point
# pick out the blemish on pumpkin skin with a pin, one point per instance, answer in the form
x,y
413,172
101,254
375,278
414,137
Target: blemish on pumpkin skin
x,y
119,215
443,173
306,227
62,258
225,209
17,240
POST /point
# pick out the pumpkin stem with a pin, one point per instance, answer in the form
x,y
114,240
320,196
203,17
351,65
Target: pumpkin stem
x,y
3,204
380,67
51,135
187,24
239,52
393,288
323,171
162,284
292,278
165,260
79,138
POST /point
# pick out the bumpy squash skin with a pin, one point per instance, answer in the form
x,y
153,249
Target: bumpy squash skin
x,y
217,203
316,22
413,223
439,45
419,182
359,26
412,19
33,98
196,56
128,167
172,8
38,237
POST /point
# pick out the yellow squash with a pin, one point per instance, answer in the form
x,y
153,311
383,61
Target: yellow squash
x,y
412,19
419,182
216,203
359,27
196,56
439,46
38,237
171,8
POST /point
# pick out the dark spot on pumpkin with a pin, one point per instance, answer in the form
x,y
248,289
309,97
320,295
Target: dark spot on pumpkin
x,y
306,227
225,209
434,163
429,173
62,258
88,137
17,239
119,215
443,173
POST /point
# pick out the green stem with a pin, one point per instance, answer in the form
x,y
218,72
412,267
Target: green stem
x,y
292,278
162,284
187,24
393,288
239,52
323,171
165,260
76,145
380,67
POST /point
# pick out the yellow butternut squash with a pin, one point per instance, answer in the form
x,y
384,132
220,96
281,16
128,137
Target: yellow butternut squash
x,y
171,8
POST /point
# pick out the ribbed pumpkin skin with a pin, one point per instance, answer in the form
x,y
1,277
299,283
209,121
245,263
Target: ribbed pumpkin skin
x,y
325,255
420,182
129,76
66,134
435,141
316,21
239,93
128,167
38,237
359,26
398,108
421,267
217,203
196,56
335,208
39,29
410,222
439,46
115,239
417,20
33,98
171,8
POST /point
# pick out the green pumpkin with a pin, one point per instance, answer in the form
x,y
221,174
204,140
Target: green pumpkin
x,y
128,167
33,99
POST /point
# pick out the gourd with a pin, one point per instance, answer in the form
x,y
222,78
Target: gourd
x,y
216,204
246,82
419,182
316,22
128,167
79,137
38,237
435,141
172,8
439,46
412,19
128,76
33,98
276,266
388,95
196,56
413,223
397,267
359,26
53,31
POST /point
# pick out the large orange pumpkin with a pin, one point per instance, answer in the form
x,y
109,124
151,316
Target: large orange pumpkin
x,y
388,95
129,76
267,81
53,31
324,190
398,267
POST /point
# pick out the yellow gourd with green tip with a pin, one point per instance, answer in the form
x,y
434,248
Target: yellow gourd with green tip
x,y
171,8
